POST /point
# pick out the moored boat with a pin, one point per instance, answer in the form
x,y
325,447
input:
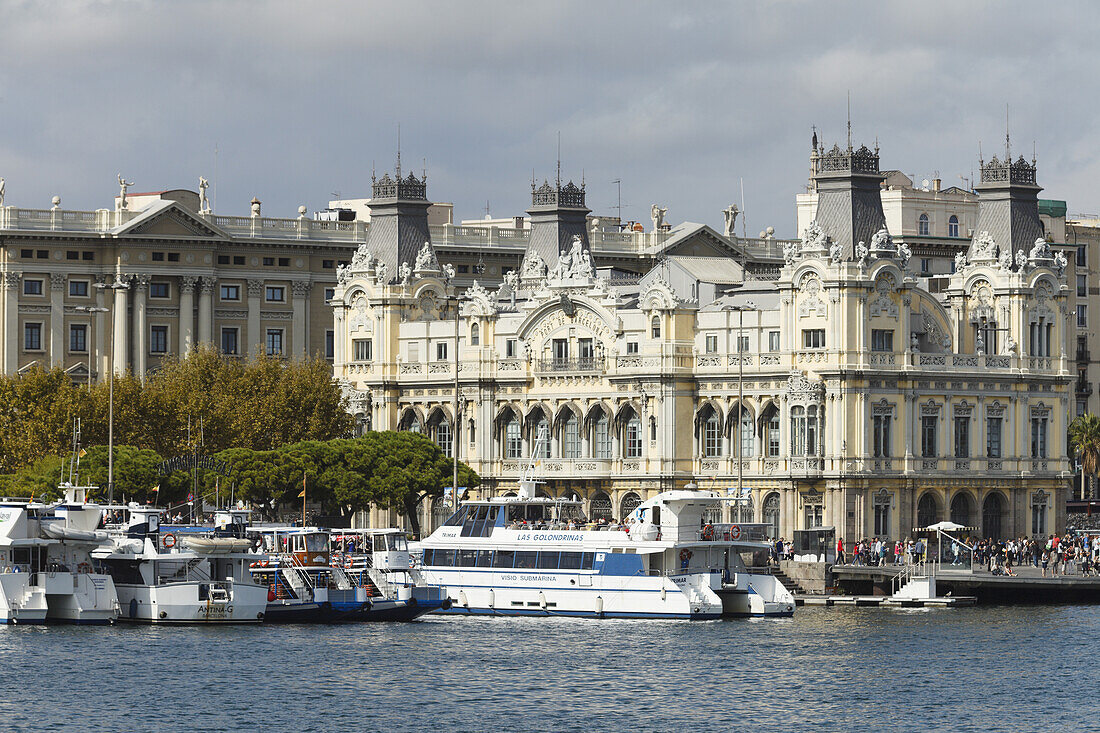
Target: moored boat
x,y
528,555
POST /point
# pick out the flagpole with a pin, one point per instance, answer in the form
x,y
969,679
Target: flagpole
x,y
303,498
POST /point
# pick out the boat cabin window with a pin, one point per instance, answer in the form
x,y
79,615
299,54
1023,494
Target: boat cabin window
x,y
518,559
572,513
154,523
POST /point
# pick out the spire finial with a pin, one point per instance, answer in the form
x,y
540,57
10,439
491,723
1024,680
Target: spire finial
x,y
424,170
559,158
981,158
849,120
1008,145
398,170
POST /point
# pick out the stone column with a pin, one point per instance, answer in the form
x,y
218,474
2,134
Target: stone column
x,y
255,338
13,339
57,319
299,290
187,313
141,326
122,325
101,328
206,308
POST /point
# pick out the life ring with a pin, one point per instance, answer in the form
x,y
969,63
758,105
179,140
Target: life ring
x,y
84,568
735,531
685,555
168,540
708,532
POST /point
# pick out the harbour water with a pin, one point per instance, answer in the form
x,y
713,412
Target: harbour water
x,y
992,668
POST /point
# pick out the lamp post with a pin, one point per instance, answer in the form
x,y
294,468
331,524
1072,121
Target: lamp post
x,y
91,309
740,309
115,286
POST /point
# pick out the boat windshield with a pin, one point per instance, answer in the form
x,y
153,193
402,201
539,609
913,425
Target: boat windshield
x,y
393,542
316,542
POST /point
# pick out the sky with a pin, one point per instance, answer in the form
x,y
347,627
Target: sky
x,y
684,103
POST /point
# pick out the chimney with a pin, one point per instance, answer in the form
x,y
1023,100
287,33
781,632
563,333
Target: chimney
x,y
936,185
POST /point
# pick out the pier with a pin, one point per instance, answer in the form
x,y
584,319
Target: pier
x,y
1028,586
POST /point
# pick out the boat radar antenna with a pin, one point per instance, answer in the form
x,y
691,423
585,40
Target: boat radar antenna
x,y
527,482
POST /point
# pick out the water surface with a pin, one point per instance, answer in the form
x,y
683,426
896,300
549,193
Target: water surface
x,y
972,669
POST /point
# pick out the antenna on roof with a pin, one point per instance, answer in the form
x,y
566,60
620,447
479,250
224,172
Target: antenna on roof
x,y
1008,146
619,206
398,151
743,235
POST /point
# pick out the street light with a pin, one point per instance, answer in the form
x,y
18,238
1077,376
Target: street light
x,y
90,309
115,286
740,309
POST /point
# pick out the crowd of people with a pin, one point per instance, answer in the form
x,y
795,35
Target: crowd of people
x,y
1074,553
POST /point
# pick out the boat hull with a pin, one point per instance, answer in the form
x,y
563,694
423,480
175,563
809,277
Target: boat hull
x,y
338,613
21,600
179,603
83,598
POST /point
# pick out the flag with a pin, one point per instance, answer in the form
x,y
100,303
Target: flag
x,y
156,489
302,495
83,453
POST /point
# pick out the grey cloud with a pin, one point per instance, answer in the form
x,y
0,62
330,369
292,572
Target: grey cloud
x,y
680,101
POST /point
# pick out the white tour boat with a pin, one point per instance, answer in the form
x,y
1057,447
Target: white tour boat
x,y
46,570
540,556
186,576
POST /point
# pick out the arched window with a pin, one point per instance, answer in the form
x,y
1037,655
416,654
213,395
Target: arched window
x,y
600,436
443,437
600,506
960,510
927,511
953,226
771,513
475,335
922,224
513,443
655,327
743,511
439,514
798,430
570,436
745,433
771,432
410,422
712,434
992,509
543,450
629,503
805,431
632,437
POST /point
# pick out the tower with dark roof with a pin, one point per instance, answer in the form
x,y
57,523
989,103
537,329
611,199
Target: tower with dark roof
x,y
1008,204
558,213
849,207
398,219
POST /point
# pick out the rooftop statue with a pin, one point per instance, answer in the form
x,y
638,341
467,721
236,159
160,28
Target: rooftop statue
x,y
204,203
1,191
425,258
731,213
123,184
658,215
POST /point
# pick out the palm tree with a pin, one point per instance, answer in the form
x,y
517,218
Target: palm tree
x,y
1084,436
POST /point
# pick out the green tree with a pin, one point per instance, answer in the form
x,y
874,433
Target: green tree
x,y
1084,436
403,469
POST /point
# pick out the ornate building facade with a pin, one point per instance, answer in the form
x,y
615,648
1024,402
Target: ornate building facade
x,y
840,393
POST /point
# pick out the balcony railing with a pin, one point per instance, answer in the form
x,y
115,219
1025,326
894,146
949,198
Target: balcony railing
x,y
579,364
